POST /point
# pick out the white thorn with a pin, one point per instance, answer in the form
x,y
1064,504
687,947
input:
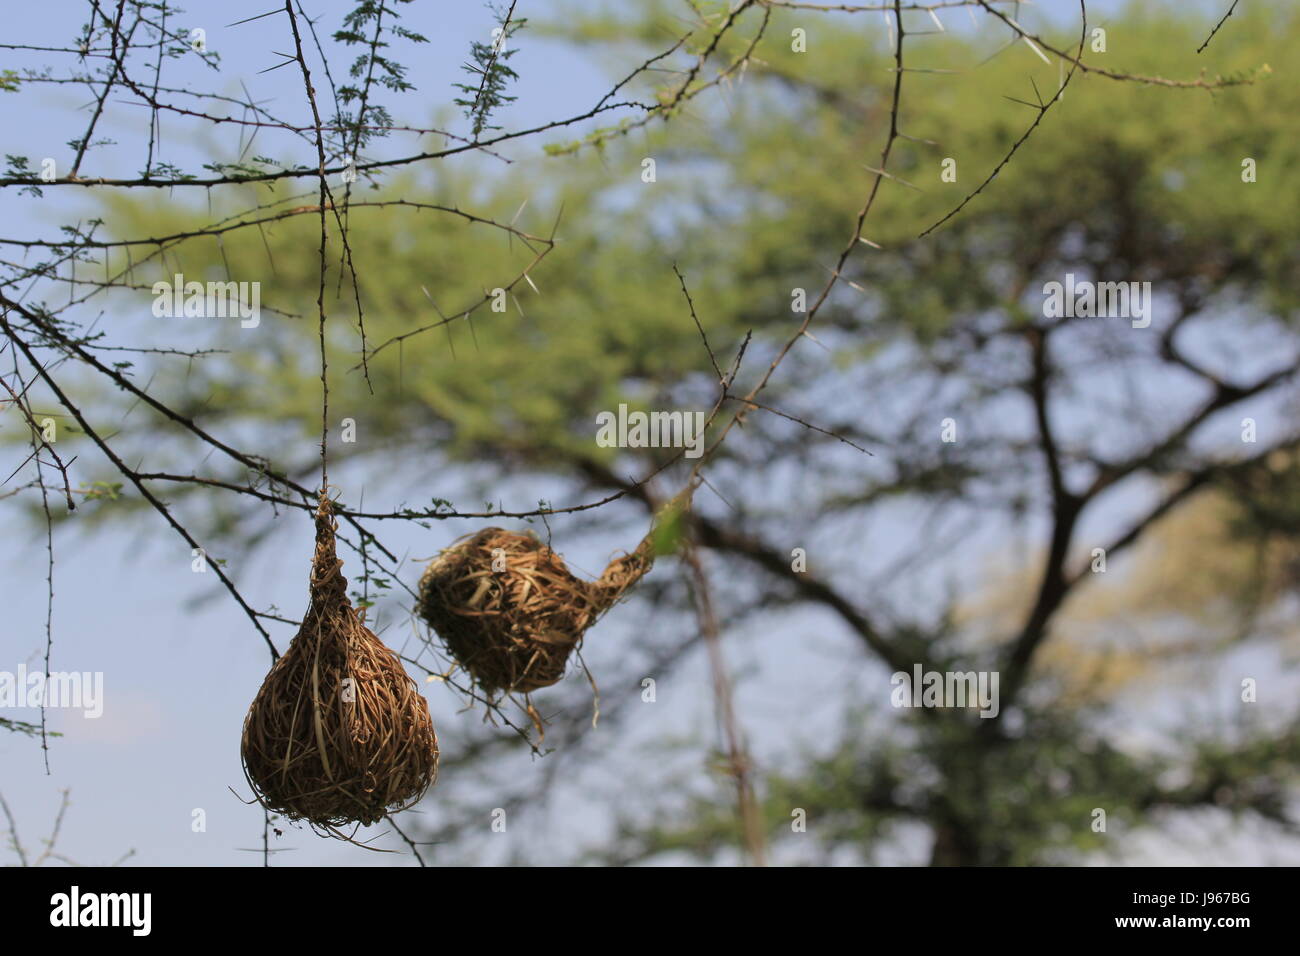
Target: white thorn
x,y
1033,46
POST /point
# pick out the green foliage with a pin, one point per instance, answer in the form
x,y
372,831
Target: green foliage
x,y
17,166
491,66
365,26
669,530
101,491
26,727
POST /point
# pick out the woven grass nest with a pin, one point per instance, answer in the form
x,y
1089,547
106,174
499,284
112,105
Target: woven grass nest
x,y
510,612
338,733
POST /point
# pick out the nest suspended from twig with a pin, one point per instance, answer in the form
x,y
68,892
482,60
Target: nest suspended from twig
x,y
510,612
338,733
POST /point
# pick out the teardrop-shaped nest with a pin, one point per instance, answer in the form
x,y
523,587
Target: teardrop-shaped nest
x,y
338,733
510,612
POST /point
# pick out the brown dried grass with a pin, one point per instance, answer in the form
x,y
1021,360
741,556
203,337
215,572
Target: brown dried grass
x,y
510,612
338,733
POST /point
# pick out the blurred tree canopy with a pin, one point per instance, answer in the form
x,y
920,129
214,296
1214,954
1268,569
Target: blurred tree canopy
x,y
1072,434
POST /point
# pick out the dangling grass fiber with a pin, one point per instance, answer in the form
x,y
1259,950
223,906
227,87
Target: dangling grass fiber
x,y
338,733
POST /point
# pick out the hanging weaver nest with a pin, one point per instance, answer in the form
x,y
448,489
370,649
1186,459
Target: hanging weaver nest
x,y
510,612
338,733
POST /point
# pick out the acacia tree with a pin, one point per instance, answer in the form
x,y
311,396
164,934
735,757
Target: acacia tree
x,y
926,304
